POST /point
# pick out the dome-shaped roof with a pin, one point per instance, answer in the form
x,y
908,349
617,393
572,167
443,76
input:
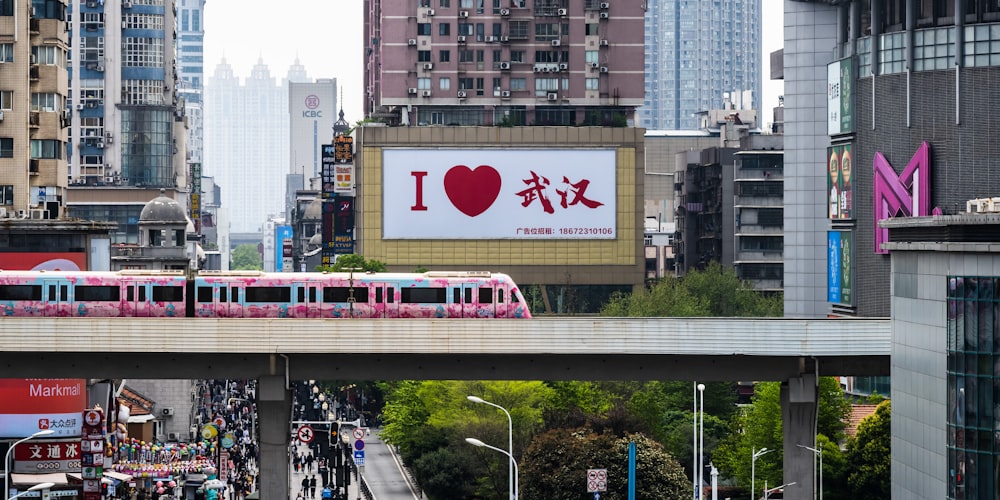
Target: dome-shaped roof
x,y
163,209
316,240
314,210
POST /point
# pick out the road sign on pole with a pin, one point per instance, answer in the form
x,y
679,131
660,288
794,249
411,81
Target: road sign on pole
x,y
305,434
597,480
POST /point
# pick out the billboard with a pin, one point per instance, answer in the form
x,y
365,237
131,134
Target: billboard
x,y
30,405
281,235
499,194
840,101
44,261
840,270
312,108
839,182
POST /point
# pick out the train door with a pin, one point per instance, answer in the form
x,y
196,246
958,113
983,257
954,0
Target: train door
x,y
385,304
307,300
56,298
500,296
136,298
469,296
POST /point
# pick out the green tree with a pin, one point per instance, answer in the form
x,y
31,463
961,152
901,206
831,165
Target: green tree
x,y
555,466
714,291
760,426
356,262
246,257
869,455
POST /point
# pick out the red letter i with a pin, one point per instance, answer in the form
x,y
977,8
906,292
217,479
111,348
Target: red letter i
x,y
419,206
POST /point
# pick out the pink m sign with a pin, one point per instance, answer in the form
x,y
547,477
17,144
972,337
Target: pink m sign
x,y
908,194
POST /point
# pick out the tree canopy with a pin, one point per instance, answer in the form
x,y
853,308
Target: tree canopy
x,y
869,455
714,291
355,262
246,257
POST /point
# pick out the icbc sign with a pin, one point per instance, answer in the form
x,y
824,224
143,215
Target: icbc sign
x,y
312,102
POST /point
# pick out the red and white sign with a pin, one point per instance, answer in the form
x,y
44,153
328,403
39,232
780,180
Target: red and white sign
x,y
358,433
30,405
499,194
37,457
597,480
305,434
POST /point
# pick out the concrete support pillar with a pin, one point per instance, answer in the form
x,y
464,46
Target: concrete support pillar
x,y
274,408
799,404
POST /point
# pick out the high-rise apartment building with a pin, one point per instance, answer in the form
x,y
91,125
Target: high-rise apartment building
x,y
190,85
246,144
33,114
128,134
470,62
696,52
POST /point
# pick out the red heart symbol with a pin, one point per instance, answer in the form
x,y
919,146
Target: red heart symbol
x,y
472,191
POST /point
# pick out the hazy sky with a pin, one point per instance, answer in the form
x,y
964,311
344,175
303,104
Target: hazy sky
x,y
326,36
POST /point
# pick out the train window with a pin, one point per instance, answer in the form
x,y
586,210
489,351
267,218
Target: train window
x,y
514,299
222,294
168,294
269,294
468,295
312,294
52,293
236,294
378,295
486,295
98,293
423,295
390,295
456,295
130,293
21,292
204,294
142,293
343,294
499,295
301,295
63,292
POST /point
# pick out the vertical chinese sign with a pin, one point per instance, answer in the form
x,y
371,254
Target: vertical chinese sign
x,y
840,272
92,453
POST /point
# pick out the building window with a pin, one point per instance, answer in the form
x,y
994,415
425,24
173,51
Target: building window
x,y
592,84
893,53
982,45
466,56
444,83
973,375
518,84
144,92
7,194
6,147
445,3
545,85
519,30
41,101
49,55
517,56
46,149
148,21
424,29
6,7
466,29
444,56
424,56
424,83
142,52
7,52
592,29
6,99
444,29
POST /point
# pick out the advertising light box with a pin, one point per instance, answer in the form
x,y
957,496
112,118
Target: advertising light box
x,y
31,405
499,194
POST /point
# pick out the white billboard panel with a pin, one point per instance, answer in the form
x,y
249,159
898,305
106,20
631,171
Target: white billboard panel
x,y
499,194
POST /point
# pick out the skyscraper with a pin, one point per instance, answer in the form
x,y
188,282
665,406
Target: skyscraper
x,y
462,62
695,53
190,85
246,144
128,136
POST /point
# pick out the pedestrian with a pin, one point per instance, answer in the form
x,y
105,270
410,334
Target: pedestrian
x,y
305,486
299,496
312,486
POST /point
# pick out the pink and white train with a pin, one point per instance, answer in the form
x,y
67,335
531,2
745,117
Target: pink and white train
x,y
252,294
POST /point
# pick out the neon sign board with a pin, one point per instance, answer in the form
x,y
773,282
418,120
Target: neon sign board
x,y
908,194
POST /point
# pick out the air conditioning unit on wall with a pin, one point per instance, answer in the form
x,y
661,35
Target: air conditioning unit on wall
x,y
167,412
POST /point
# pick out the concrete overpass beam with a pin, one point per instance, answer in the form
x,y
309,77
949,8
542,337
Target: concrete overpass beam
x,y
799,402
274,407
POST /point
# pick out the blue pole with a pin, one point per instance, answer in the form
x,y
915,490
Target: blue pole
x,y
631,471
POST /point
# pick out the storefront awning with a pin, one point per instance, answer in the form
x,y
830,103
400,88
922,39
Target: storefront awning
x,y
78,477
141,419
118,475
57,478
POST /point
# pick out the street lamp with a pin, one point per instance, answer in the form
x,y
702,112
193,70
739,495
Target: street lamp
x,y
510,444
6,458
476,442
818,452
701,439
39,486
753,463
767,492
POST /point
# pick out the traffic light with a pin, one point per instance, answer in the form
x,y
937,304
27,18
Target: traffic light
x,y
334,433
